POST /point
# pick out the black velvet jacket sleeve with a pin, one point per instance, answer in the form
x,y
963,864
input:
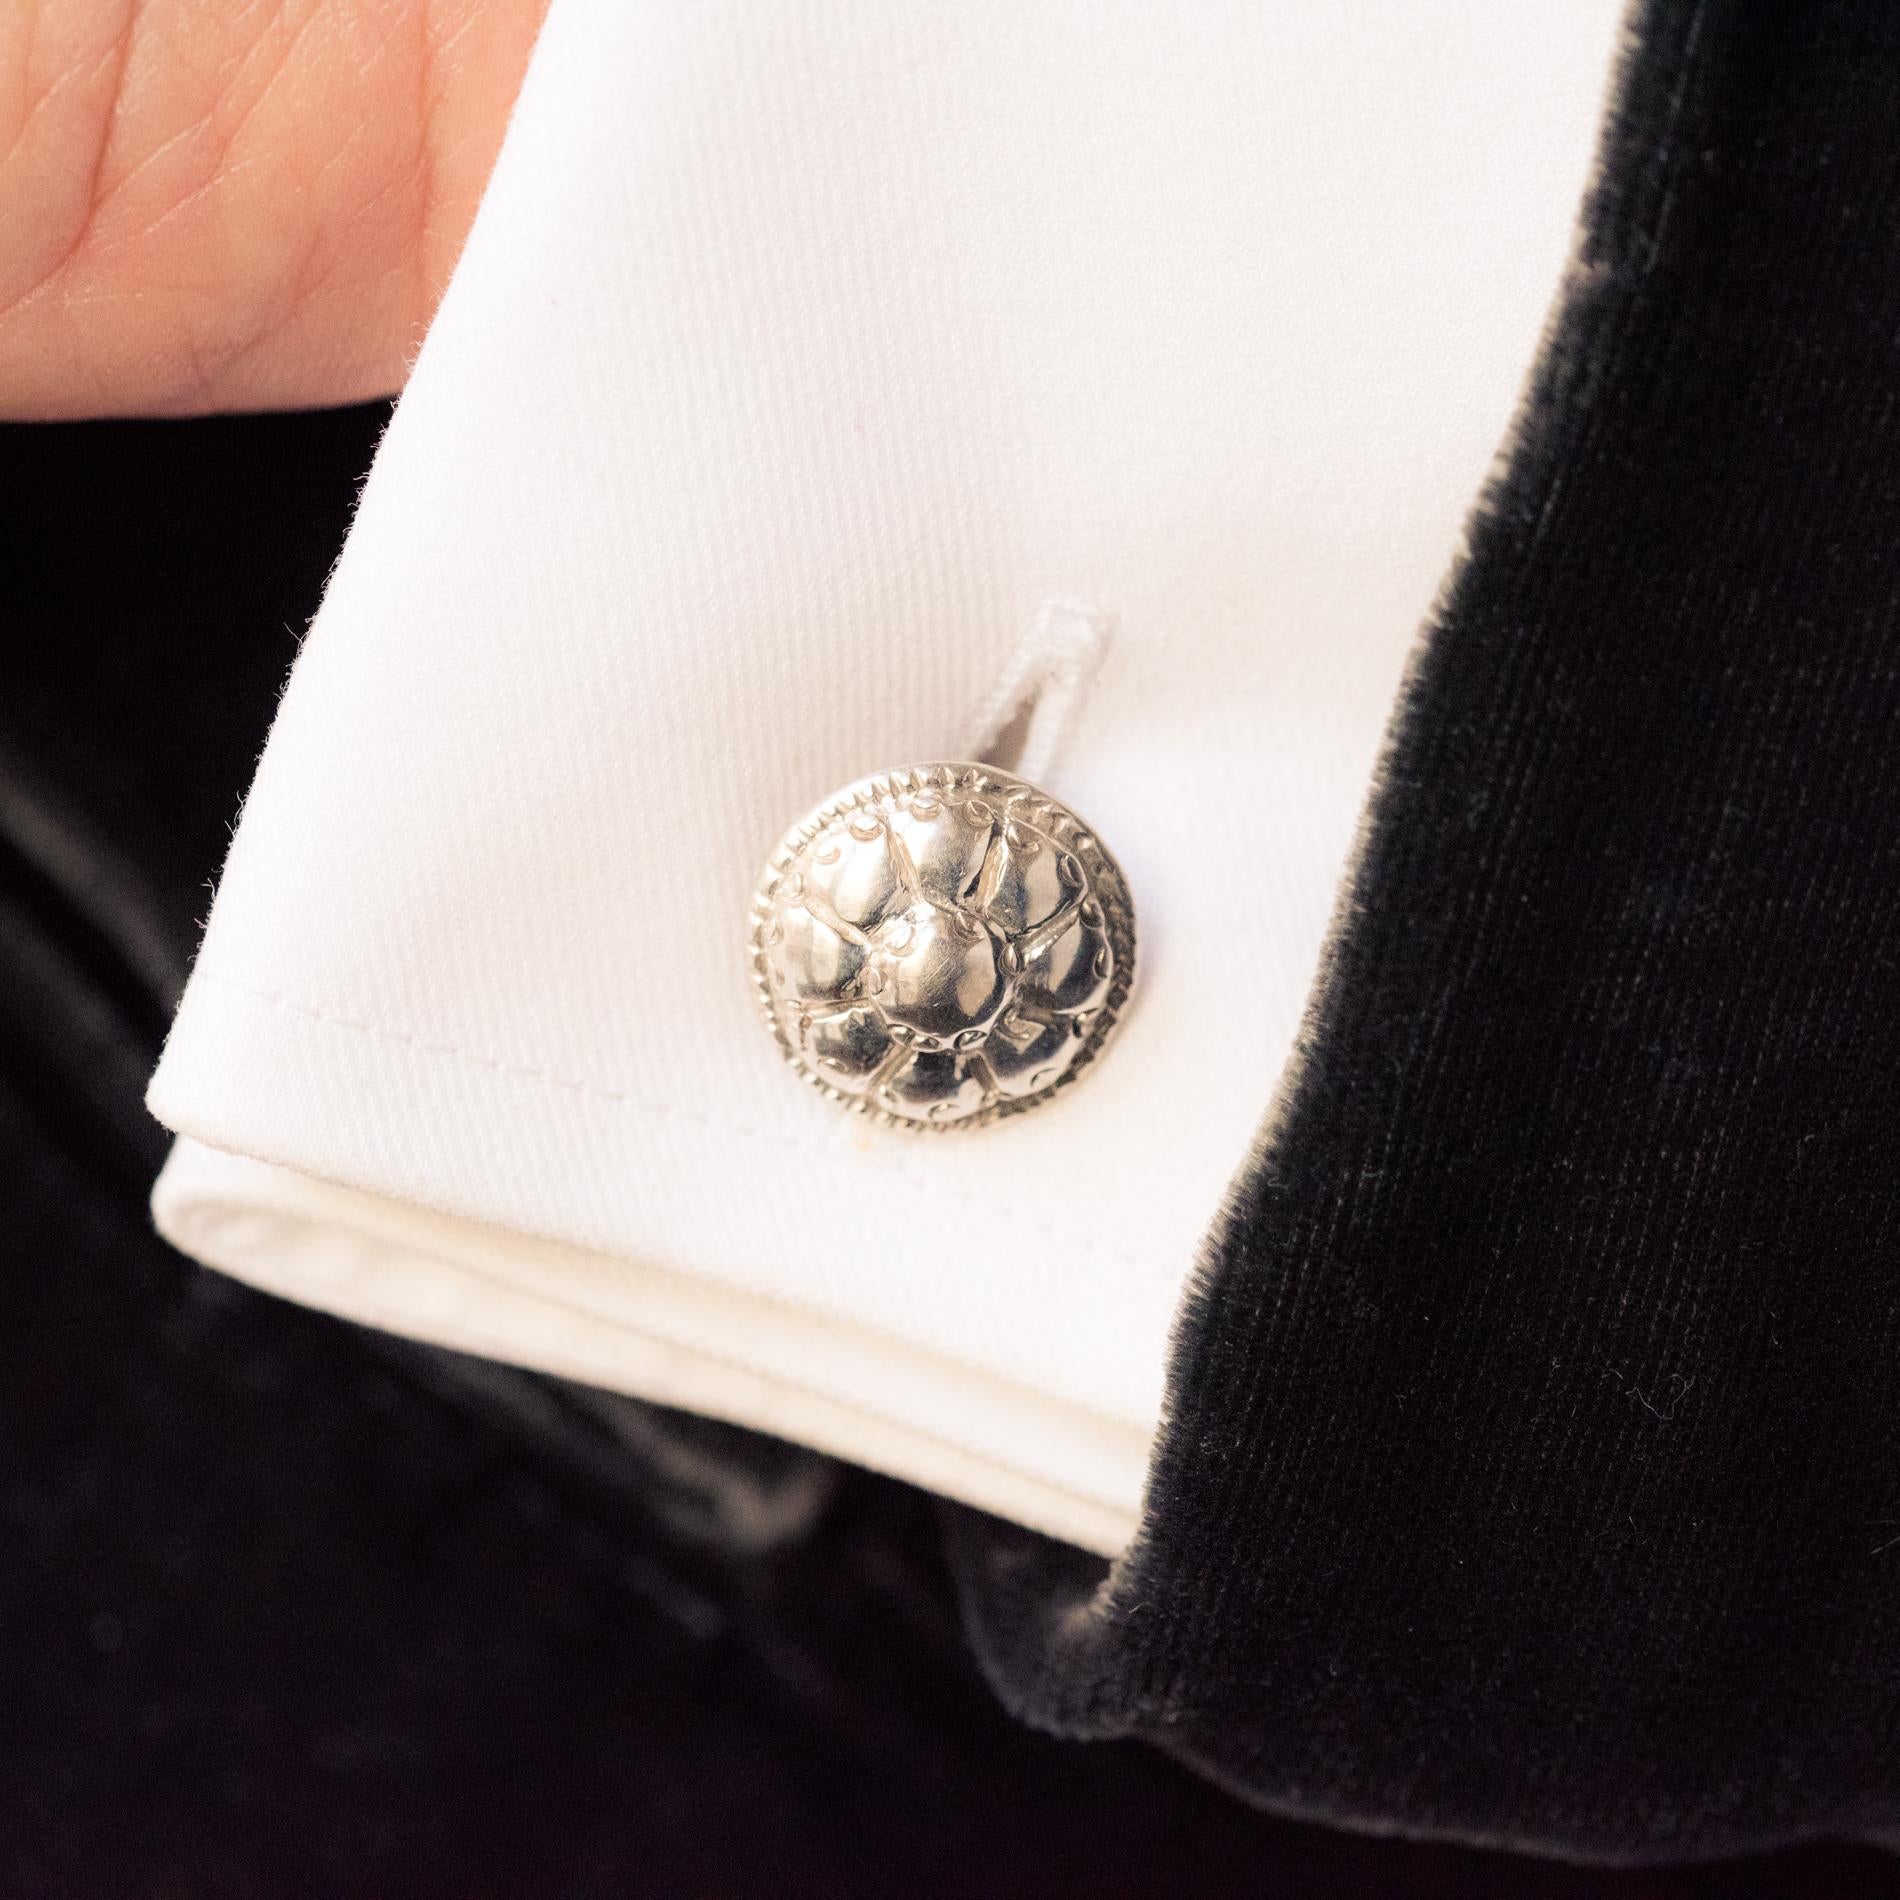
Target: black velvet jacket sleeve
x,y
1532,1472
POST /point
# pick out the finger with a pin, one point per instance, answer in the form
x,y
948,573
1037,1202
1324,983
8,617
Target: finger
x,y
206,204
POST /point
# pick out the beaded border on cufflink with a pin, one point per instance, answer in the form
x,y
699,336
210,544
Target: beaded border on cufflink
x,y
941,946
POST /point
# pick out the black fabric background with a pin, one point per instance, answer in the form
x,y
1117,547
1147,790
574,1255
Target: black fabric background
x,y
288,1607
1533,1472
1530,1474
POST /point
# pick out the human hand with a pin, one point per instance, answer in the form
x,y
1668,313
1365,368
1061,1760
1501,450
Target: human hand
x,y
237,204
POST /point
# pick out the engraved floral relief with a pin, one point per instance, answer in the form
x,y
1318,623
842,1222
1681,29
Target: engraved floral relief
x,y
942,944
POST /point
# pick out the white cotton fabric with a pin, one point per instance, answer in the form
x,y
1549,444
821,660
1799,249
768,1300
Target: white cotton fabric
x,y
802,354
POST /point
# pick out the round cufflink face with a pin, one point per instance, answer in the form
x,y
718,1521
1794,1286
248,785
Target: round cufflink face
x,y
942,945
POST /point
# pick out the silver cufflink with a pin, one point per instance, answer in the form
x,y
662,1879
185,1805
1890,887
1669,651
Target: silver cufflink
x,y
942,945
